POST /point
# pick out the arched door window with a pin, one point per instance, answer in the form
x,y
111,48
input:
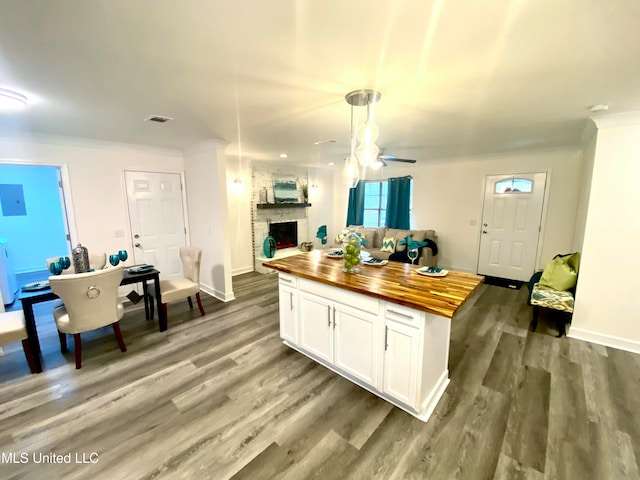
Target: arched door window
x,y
514,185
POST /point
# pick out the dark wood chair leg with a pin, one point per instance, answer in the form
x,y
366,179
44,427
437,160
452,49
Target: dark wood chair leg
x,y
77,346
118,332
190,303
199,304
29,354
63,342
164,309
534,322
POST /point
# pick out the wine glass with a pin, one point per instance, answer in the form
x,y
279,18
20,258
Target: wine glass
x,y
64,262
413,255
114,260
123,255
55,268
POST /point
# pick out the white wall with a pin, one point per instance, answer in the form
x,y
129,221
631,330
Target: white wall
x,y
448,196
321,210
240,217
606,310
206,186
96,181
589,152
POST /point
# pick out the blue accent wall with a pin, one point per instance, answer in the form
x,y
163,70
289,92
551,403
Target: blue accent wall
x,y
40,233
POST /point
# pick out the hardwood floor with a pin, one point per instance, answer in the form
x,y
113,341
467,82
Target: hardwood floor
x,y
220,397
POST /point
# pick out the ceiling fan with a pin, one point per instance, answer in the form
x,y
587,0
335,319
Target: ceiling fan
x,y
382,160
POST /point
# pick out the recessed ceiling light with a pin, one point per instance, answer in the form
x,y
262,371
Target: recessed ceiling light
x,y
331,164
602,107
10,100
323,142
283,155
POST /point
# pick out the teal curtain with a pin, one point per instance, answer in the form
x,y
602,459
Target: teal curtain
x,y
355,211
399,203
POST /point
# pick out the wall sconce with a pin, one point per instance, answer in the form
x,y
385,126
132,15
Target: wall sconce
x,y
237,187
314,189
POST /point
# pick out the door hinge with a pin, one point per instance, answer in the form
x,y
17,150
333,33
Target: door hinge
x,y
68,237
60,183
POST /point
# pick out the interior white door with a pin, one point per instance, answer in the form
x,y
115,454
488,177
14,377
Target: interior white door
x,y
511,224
157,223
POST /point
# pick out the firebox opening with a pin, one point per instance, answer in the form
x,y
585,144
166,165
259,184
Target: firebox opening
x,y
285,234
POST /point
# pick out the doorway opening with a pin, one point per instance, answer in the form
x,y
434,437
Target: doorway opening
x,y
34,221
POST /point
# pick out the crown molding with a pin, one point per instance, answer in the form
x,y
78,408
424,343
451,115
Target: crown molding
x,y
616,119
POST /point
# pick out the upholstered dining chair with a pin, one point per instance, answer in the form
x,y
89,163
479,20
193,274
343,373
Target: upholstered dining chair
x,y
90,302
183,287
13,329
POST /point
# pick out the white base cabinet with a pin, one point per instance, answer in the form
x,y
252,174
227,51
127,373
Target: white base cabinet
x,y
397,353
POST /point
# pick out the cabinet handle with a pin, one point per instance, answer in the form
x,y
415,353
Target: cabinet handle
x,y
400,314
329,315
291,299
334,318
386,343
288,280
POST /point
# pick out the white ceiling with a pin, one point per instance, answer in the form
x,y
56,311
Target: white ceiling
x,y
456,76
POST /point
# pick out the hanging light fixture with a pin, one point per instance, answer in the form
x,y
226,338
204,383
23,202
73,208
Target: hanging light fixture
x,y
10,100
367,133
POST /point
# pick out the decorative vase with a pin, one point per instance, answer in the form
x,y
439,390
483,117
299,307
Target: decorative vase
x,y
351,247
269,246
80,259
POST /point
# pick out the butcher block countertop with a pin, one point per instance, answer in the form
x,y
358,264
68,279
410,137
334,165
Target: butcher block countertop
x,y
395,282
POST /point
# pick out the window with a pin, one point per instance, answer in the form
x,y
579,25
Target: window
x,y
514,185
375,204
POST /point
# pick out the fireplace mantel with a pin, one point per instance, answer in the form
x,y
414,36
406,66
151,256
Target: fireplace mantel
x,y
261,206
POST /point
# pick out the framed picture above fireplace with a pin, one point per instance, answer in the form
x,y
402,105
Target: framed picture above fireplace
x,y
285,190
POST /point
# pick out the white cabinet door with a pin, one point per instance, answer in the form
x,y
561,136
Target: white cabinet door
x,y
355,343
316,332
401,354
288,323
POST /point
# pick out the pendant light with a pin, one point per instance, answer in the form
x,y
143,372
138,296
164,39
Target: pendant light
x,y
367,133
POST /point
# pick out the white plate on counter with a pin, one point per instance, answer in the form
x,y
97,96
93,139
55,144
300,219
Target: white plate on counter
x,y
335,254
427,273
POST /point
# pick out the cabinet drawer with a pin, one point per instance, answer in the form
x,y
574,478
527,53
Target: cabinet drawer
x,y
352,299
287,279
402,314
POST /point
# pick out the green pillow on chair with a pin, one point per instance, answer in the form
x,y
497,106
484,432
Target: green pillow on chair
x,y
561,273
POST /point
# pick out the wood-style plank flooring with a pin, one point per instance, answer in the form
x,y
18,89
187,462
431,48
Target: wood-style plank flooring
x,y
220,397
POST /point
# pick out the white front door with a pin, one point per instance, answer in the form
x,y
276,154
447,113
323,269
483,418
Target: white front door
x,y
511,223
157,220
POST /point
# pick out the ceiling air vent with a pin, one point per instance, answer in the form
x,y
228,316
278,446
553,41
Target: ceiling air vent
x,y
157,118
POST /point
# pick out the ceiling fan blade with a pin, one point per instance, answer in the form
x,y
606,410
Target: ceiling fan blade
x,y
391,158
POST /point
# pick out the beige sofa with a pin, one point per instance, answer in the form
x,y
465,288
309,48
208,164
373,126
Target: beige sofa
x,y
374,237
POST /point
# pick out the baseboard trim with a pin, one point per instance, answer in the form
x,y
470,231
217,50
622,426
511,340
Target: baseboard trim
x,y
217,294
240,271
606,340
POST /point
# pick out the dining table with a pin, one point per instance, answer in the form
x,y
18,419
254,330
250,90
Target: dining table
x,y
130,276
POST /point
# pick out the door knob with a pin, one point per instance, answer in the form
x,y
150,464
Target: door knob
x,y
136,236
483,231
138,245
484,225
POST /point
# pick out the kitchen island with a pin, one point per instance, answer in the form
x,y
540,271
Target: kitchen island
x,y
386,328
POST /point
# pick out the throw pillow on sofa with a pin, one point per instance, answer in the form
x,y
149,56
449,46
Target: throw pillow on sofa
x,y
388,244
